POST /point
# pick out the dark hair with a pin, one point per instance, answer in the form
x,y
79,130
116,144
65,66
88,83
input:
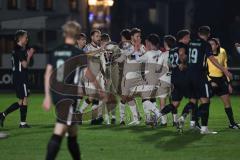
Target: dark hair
x,y
170,40
105,37
81,35
216,41
204,30
95,31
154,39
126,33
182,33
18,34
135,30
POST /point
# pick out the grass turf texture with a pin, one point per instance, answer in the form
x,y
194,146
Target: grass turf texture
x,y
117,143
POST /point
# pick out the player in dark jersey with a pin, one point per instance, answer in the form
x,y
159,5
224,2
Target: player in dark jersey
x,y
57,72
199,51
21,57
178,64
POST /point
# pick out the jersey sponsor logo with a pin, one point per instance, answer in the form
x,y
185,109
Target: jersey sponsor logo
x,y
63,53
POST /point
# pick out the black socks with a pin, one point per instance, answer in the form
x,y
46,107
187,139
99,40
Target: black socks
x,y
74,148
204,113
53,147
11,109
23,113
229,113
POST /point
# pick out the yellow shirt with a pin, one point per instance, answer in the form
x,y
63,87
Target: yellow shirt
x,y
222,60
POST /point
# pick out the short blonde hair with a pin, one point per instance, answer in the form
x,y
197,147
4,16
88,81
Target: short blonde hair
x,y
71,29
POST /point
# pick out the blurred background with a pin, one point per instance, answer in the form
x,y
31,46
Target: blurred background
x,y
43,20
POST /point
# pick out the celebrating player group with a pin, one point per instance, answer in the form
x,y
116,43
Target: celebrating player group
x,y
88,81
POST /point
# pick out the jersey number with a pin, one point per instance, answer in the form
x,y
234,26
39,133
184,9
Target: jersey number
x,y
60,70
193,54
173,58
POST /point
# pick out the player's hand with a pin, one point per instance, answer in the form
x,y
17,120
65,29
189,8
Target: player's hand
x,y
47,103
182,67
230,89
30,52
228,74
102,95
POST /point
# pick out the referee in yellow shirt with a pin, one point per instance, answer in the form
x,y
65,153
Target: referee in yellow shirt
x,y
220,84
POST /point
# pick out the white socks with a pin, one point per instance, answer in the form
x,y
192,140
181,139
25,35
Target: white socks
x,y
133,109
148,105
164,119
122,111
175,117
83,106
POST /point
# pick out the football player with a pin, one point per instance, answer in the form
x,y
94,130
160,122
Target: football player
x,y
199,51
21,59
57,73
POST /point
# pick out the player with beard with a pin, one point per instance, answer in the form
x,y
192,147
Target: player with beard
x,y
97,66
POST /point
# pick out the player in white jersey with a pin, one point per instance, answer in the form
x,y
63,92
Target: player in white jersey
x,y
110,76
96,65
132,73
149,90
126,46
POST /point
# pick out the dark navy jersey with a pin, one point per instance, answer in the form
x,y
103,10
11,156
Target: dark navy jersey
x,y
59,60
174,59
20,74
199,51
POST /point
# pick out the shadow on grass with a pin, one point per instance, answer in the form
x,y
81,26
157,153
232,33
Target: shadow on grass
x,y
162,138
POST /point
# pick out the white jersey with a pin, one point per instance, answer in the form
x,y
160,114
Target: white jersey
x,y
150,59
90,47
95,64
164,67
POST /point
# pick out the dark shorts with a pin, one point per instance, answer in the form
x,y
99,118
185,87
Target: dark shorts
x,y
198,86
219,86
65,109
179,86
22,90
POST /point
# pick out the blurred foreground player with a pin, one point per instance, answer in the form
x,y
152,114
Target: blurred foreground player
x,y
57,61
21,58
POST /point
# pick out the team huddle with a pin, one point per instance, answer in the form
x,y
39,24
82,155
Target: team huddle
x,y
104,74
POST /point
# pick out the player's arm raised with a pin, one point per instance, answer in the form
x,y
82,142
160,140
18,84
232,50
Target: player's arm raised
x,y
223,69
26,61
47,102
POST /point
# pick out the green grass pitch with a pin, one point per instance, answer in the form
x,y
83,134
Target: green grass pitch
x,y
120,143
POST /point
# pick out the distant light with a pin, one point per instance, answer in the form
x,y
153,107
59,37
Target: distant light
x,y
92,2
108,3
91,17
